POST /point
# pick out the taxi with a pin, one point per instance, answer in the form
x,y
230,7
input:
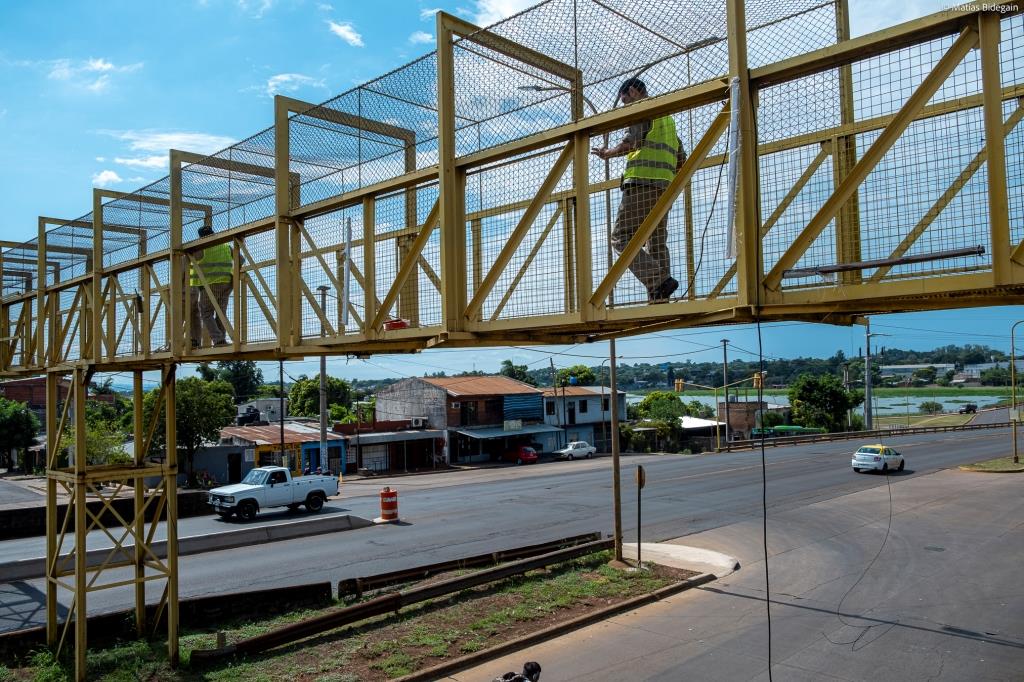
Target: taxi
x,y
878,458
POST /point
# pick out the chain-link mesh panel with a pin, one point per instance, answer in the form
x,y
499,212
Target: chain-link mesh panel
x,y
926,195
1011,55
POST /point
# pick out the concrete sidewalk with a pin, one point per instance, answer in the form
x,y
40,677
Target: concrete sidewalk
x,y
930,596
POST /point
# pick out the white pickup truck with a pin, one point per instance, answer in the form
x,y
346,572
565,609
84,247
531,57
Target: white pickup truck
x,y
266,487
577,448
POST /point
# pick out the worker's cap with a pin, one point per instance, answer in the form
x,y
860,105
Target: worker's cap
x,y
632,83
205,231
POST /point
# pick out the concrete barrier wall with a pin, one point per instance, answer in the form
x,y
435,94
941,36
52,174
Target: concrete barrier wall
x,y
107,628
26,522
241,537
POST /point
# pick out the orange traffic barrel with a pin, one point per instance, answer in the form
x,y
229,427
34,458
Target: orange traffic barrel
x,y
388,506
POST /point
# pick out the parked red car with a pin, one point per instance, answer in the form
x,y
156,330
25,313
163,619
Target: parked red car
x,y
521,454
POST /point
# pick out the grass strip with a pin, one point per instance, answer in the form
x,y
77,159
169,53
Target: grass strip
x,y
999,465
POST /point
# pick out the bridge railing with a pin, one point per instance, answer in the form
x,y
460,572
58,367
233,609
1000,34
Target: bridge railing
x,y
458,198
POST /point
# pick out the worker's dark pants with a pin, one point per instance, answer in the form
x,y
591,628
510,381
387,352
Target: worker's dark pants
x,y
204,315
651,265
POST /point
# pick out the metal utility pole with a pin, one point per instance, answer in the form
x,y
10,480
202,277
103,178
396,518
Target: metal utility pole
x,y
280,403
867,375
725,387
323,383
846,385
616,478
1013,391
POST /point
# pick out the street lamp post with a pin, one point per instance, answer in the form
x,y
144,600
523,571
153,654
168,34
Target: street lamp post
x,y
1013,390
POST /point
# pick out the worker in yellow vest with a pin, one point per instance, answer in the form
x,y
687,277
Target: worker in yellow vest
x,y
215,263
653,156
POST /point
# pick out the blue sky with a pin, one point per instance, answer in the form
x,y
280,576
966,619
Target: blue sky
x,y
94,95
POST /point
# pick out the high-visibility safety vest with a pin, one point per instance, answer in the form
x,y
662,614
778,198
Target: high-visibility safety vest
x,y
216,265
655,158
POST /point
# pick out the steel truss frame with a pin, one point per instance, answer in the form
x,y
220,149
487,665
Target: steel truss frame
x,y
92,323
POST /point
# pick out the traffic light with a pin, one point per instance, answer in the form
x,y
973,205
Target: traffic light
x,y
758,380
680,385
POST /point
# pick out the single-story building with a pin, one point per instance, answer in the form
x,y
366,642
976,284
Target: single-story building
x,y
262,445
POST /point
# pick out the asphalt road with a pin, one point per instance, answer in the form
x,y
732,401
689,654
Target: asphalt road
x,y
995,416
913,581
457,514
10,493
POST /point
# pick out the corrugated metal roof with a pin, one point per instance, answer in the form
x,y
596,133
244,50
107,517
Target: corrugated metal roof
x,y
268,435
499,432
579,391
487,385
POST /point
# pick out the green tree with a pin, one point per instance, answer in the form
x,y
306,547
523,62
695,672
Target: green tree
x,y
269,391
19,426
662,405
304,396
517,372
821,401
104,443
243,375
202,409
342,414
996,376
206,371
926,375
930,407
696,408
770,419
584,376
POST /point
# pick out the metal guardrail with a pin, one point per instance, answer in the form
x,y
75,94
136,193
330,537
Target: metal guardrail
x,y
392,603
855,435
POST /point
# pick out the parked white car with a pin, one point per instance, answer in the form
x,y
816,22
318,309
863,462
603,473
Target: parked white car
x,y
577,448
877,457
265,487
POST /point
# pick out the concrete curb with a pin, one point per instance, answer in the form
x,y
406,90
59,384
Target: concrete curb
x,y
683,556
24,569
442,670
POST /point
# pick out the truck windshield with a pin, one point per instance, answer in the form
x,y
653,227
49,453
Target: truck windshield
x,y
255,477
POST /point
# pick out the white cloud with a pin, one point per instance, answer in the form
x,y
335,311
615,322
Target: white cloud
x,y
421,37
93,74
487,12
324,7
346,32
106,178
428,13
258,8
290,82
156,161
161,141
101,159
99,85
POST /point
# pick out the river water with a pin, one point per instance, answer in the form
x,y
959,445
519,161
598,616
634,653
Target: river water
x,y
889,405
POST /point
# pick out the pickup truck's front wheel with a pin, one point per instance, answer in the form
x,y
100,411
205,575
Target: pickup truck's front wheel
x,y
247,510
315,502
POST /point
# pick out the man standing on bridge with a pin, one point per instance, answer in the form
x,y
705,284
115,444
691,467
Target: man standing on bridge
x,y
653,154
215,263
